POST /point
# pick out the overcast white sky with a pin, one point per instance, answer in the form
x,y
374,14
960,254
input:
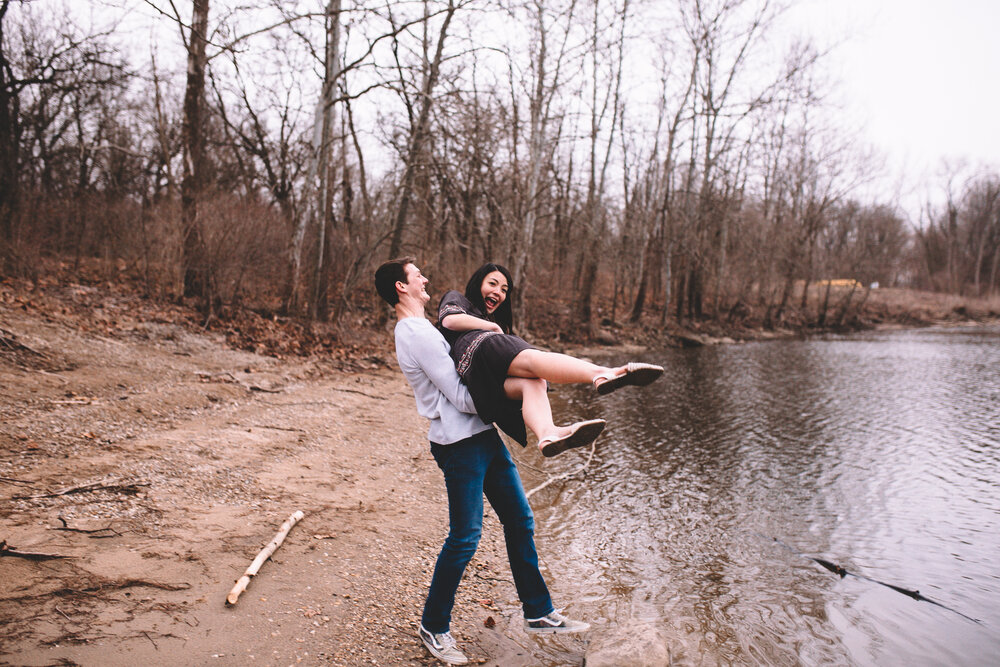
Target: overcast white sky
x,y
922,77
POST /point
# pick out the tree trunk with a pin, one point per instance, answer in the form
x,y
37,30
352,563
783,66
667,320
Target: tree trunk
x,y
538,142
681,294
994,288
318,186
696,290
597,217
824,306
418,136
9,142
668,277
844,307
645,276
786,294
978,264
804,303
195,269
953,283
325,189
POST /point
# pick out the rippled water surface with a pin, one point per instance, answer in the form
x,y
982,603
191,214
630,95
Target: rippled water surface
x,y
879,453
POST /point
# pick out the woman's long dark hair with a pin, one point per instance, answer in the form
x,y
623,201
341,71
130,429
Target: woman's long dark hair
x,y
474,293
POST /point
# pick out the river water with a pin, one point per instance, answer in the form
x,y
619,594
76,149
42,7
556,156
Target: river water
x,y
877,452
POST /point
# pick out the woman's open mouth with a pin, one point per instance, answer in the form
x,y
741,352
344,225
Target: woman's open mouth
x,y
491,303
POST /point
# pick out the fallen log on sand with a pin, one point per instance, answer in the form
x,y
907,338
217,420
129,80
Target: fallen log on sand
x,y
265,553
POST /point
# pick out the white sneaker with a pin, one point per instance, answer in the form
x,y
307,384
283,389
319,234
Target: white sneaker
x,y
554,623
443,647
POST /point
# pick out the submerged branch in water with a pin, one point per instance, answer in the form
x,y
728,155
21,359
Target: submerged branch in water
x,y
837,569
566,475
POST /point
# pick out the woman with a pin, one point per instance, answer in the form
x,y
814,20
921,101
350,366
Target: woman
x,y
490,359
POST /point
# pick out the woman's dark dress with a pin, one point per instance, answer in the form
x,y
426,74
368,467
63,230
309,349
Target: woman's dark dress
x,y
482,359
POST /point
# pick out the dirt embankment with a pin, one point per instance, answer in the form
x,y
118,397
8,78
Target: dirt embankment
x,y
204,451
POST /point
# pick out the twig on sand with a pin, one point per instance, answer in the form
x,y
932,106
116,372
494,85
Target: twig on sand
x,y
88,531
11,480
7,550
103,484
565,475
151,640
9,340
363,393
267,427
265,553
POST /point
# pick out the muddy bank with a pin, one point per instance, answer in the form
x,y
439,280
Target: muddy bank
x,y
203,451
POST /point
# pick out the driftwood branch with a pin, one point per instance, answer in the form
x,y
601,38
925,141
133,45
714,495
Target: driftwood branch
x,y
103,484
565,475
270,428
263,390
79,400
88,531
10,341
7,550
265,553
11,480
228,378
95,587
355,391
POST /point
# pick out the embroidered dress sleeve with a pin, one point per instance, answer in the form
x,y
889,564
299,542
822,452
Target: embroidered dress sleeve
x,y
455,303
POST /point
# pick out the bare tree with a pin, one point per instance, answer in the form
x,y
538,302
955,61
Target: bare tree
x,y
10,140
723,34
194,177
960,239
982,220
53,78
419,130
326,188
660,190
551,44
595,209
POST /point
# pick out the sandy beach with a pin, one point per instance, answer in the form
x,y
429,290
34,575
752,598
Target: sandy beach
x,y
159,461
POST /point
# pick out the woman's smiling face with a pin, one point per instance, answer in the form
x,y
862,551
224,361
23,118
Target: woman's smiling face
x,y
494,289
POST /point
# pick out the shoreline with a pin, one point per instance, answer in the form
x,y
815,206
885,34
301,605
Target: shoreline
x,y
206,449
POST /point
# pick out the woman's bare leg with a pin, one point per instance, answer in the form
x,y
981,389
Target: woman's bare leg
x,y
535,408
555,367
537,414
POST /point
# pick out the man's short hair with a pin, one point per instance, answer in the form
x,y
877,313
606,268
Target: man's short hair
x,y
387,275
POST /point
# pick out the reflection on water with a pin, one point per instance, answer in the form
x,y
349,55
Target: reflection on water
x,y
878,452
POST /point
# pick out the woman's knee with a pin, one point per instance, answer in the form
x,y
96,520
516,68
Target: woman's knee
x,y
519,388
523,364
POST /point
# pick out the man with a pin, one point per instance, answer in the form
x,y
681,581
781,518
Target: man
x,y
474,461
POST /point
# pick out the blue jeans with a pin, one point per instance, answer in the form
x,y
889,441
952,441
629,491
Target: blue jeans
x,y
474,466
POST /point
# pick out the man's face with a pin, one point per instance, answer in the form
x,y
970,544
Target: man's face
x,y
415,284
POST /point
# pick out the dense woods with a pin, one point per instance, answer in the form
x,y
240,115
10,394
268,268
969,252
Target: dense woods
x,y
629,160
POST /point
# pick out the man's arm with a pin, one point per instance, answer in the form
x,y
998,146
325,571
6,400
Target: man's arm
x,y
430,352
